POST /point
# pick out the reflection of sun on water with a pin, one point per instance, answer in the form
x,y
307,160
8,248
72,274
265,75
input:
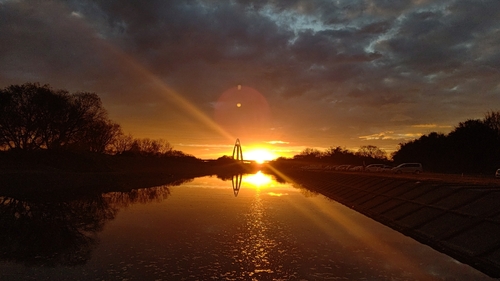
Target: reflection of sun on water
x,y
276,194
258,180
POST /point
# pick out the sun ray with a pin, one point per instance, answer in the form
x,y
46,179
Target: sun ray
x,y
166,91
171,94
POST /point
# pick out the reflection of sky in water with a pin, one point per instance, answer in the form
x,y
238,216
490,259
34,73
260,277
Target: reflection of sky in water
x,y
249,181
270,231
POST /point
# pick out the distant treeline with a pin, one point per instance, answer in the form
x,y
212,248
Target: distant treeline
x,y
365,155
472,147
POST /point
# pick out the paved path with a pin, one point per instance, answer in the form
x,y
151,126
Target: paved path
x,y
459,219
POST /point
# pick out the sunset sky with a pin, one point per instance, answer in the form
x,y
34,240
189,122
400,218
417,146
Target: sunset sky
x,y
312,74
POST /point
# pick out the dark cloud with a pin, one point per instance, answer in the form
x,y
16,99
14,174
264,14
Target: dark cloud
x,y
324,66
375,28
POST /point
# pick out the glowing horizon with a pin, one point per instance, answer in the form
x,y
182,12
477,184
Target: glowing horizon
x,y
259,155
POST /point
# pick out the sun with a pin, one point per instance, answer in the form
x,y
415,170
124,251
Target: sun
x,y
259,155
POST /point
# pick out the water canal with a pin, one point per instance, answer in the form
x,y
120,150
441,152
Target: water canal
x,y
211,229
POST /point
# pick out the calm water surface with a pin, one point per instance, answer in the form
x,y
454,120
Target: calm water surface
x,y
207,230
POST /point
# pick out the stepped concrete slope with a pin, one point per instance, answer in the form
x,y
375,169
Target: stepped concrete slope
x,y
459,219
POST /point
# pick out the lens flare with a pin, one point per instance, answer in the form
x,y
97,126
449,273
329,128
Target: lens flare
x,y
250,119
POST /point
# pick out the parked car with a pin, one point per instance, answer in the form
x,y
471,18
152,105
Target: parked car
x,y
356,168
497,174
342,167
330,167
374,167
386,168
414,168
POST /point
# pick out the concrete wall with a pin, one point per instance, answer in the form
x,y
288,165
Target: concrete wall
x,y
461,220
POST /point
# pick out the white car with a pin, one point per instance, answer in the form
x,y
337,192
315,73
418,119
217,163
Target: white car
x,y
414,168
374,167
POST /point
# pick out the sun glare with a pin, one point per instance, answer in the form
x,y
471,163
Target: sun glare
x,y
258,180
259,155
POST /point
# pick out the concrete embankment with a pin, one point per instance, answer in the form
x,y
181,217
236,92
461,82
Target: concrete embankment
x,y
459,219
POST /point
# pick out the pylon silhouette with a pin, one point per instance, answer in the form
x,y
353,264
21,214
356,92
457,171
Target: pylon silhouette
x,y
237,151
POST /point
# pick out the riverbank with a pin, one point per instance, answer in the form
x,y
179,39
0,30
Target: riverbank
x,y
458,217
66,175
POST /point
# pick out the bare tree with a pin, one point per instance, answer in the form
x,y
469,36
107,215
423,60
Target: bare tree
x,y
100,136
24,115
371,151
123,143
81,118
310,154
147,146
38,117
492,120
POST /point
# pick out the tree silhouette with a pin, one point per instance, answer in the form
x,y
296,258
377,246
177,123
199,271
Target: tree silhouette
x,y
309,154
372,151
432,150
338,155
473,146
492,120
36,117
